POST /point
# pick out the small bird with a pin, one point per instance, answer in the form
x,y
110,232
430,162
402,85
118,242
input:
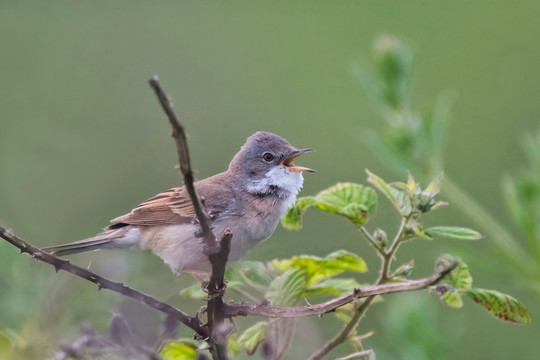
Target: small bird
x,y
249,198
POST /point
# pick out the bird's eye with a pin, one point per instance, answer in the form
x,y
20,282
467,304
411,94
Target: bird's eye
x,y
268,157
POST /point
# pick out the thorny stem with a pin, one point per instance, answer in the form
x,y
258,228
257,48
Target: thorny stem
x,y
386,260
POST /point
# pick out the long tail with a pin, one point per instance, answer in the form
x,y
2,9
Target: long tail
x,y
115,239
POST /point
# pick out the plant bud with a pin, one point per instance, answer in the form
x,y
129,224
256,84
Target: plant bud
x,y
381,237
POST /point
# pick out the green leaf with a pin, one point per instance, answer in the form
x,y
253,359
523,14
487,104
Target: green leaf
x,y
435,186
287,288
454,232
318,268
293,218
452,298
233,346
353,201
460,278
381,185
503,306
253,337
255,274
334,287
183,350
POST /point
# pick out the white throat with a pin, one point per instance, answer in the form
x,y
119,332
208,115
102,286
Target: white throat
x,y
279,177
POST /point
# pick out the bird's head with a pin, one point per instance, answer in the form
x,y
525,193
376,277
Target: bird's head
x,y
264,165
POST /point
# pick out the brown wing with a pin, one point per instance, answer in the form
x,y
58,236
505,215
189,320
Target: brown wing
x,y
174,206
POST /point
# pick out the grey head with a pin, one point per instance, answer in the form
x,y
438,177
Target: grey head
x,y
264,166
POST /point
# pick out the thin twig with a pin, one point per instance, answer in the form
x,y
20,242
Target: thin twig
x,y
386,260
233,309
103,283
179,135
217,253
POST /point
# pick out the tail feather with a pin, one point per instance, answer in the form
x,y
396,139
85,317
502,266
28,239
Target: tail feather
x,y
116,239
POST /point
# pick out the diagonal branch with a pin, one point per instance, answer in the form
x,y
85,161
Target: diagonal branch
x,y
217,253
233,309
103,283
179,135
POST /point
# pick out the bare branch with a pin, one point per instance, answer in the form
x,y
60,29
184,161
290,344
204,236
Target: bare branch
x,y
179,135
233,309
217,253
103,283
216,289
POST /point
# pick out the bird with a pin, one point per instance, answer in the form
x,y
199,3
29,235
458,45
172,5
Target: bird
x,y
249,199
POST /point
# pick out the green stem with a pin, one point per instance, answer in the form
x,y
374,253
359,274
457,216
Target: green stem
x,y
386,260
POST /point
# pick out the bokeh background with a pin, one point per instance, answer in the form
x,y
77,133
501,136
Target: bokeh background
x,y
82,140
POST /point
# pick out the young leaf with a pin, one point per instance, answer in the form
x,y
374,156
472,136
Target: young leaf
x,y
318,268
460,278
182,350
253,337
435,185
452,298
287,288
449,295
353,201
501,305
381,185
454,232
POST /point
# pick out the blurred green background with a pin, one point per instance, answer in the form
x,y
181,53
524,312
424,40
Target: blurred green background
x,y
82,140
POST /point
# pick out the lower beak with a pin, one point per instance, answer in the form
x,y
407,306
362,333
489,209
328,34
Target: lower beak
x,y
288,161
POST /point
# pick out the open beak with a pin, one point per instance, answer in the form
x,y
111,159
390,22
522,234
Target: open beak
x,y
288,161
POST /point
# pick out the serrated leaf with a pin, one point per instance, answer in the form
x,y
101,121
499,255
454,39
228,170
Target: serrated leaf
x,y
318,268
293,217
500,305
253,337
454,232
334,287
353,201
183,350
287,289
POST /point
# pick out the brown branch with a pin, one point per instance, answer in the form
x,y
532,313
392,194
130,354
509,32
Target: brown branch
x,y
217,253
103,283
179,135
216,289
233,309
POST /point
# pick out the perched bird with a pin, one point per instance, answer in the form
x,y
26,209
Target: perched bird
x,y
249,198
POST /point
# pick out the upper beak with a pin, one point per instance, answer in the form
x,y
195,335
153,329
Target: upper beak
x,y
288,161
